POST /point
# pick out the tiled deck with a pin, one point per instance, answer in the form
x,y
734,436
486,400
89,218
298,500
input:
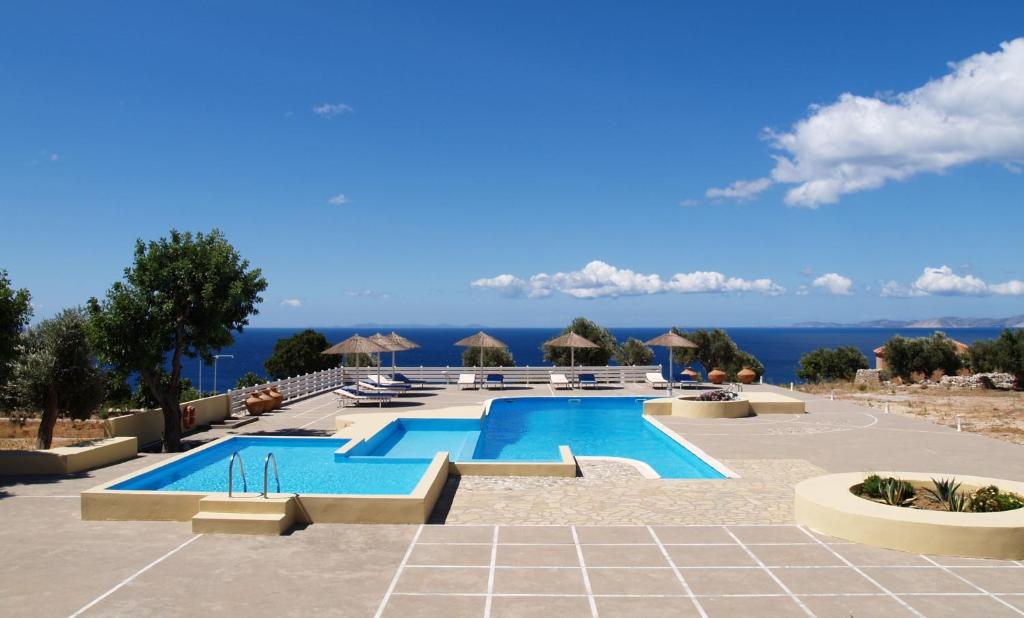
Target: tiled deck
x,y
582,561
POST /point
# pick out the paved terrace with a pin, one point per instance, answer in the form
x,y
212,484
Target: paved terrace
x,y
609,543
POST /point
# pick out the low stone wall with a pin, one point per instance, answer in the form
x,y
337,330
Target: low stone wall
x,y
68,459
870,377
1003,381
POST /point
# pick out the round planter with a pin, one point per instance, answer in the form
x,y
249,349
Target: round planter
x,y
689,407
716,376
746,376
827,505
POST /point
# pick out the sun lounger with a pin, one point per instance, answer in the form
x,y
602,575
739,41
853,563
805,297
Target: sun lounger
x,y
467,380
655,380
373,387
399,377
588,380
345,396
494,380
387,383
558,380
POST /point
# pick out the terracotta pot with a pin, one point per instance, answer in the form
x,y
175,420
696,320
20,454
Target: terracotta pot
x,y
690,371
747,375
267,400
254,404
716,376
278,397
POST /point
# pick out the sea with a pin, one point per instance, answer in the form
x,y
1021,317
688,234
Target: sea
x,y
778,349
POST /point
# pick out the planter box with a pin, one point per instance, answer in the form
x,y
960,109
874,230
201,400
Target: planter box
x,y
69,459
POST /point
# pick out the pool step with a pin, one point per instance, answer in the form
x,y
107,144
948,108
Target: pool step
x,y
248,515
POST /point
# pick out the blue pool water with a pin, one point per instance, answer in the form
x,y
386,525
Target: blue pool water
x,y
532,429
306,466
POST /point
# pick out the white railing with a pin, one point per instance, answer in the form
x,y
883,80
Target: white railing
x,y
318,382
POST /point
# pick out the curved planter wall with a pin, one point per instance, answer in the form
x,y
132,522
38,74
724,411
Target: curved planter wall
x,y
691,408
826,504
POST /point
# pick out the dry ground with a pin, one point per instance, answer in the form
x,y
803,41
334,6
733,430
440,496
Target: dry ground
x,y
997,414
16,436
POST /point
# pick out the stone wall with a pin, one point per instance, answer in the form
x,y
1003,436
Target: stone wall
x,y
867,376
978,380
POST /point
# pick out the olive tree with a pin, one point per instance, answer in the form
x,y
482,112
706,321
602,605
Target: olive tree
x,y
56,372
840,363
1005,354
300,354
925,355
587,329
183,296
15,311
493,357
634,352
715,349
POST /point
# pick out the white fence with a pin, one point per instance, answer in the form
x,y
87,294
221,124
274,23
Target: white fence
x,y
311,384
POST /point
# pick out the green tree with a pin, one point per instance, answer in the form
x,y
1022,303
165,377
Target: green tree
x,y
1004,354
15,311
56,372
250,379
831,364
634,352
300,354
594,357
493,357
925,355
183,296
364,360
715,349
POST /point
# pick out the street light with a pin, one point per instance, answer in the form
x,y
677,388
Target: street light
x,y
217,357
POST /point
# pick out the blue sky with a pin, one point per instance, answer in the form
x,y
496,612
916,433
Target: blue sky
x,y
491,143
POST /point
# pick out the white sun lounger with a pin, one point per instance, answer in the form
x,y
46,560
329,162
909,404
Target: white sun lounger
x,y
467,380
558,380
655,380
383,382
345,396
376,389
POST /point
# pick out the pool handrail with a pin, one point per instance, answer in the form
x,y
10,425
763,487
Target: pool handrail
x,y
277,477
231,473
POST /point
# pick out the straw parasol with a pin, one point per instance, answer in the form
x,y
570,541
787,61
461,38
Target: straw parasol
x,y
386,344
357,345
480,340
572,341
671,341
401,344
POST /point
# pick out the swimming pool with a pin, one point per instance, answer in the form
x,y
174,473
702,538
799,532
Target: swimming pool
x,y
532,428
306,466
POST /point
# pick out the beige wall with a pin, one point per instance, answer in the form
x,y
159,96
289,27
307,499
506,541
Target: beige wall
x,y
69,459
148,425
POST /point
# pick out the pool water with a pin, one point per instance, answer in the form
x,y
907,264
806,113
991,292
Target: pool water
x,y
532,429
306,466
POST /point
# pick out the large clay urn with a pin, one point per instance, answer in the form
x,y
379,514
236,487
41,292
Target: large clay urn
x,y
254,404
716,376
276,395
267,400
747,375
690,371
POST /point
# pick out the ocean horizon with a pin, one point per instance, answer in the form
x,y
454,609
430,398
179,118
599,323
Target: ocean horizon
x,y
778,348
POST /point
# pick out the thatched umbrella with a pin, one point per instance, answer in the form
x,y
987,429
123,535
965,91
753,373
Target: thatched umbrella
x,y
480,340
572,341
386,344
357,345
401,344
671,341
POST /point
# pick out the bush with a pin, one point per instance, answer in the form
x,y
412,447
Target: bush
x,y
250,379
593,357
1005,354
924,354
831,364
719,395
990,500
634,352
874,486
300,354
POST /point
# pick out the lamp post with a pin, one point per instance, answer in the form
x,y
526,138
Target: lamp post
x,y
217,357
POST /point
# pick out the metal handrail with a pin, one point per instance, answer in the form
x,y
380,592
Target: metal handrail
x,y
231,473
266,463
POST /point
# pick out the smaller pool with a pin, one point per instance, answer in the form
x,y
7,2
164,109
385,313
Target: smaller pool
x,y
306,466
408,437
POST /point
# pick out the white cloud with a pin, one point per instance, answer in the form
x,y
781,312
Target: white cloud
x,y
974,113
740,190
338,200
291,302
366,294
942,281
689,203
600,280
330,110
803,290
834,283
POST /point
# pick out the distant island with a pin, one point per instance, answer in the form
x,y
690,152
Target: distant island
x,y
1016,321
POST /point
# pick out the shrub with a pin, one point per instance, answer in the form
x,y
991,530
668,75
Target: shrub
x,y
634,352
250,379
831,364
874,486
1005,354
493,357
924,354
718,395
991,500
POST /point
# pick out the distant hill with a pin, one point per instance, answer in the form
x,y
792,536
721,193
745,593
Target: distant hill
x,y
1016,321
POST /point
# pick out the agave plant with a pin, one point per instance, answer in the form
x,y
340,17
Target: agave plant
x,y
959,501
945,493
896,492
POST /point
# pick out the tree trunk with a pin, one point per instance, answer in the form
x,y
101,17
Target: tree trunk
x,y
44,439
172,424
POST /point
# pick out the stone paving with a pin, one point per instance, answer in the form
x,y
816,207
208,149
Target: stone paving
x,y
612,544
